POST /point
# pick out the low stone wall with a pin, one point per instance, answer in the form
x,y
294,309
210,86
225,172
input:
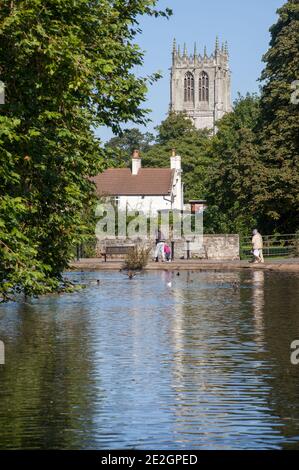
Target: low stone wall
x,y
214,247
226,247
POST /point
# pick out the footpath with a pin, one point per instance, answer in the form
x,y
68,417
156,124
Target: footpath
x,y
98,264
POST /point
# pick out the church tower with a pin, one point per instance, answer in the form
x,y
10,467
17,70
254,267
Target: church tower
x,y
200,85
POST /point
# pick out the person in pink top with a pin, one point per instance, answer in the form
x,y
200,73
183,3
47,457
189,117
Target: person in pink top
x,y
167,252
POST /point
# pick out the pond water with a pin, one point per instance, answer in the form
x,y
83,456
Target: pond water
x,y
196,361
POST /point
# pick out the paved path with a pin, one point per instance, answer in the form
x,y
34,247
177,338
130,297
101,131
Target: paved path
x,y
96,264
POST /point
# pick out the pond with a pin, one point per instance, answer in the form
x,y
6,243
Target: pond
x,y
199,360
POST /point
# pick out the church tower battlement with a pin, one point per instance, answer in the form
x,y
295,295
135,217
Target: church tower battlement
x,y
200,84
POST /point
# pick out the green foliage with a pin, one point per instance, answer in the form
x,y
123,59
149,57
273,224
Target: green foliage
x,y
137,258
179,132
123,145
279,125
174,127
254,179
233,178
67,67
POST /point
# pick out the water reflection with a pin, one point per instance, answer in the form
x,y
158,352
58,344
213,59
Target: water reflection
x,y
199,360
258,303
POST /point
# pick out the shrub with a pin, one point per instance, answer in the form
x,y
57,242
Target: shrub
x,y
137,258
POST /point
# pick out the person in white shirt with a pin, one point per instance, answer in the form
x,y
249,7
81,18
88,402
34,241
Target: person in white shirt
x,y
159,252
257,247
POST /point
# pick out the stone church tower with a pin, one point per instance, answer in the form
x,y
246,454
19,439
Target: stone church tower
x,y
200,85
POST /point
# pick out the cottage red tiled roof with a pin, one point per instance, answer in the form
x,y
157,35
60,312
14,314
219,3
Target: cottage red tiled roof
x,y
121,182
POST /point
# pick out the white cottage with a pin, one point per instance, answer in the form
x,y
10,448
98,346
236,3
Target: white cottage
x,y
148,190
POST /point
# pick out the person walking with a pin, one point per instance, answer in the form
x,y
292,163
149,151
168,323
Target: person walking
x,y
159,236
159,252
257,247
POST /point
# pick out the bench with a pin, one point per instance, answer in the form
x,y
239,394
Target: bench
x,y
116,250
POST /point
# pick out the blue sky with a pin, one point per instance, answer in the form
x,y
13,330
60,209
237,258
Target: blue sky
x,y
244,24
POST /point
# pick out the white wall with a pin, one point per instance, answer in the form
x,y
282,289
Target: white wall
x,y
149,204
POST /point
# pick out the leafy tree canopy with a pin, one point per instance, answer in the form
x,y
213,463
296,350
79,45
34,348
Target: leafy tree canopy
x,y
67,67
122,146
233,177
279,124
174,127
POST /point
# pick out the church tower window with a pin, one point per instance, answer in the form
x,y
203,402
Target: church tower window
x,y
203,87
189,87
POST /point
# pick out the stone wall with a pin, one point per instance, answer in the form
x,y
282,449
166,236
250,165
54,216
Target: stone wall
x,y
214,247
223,246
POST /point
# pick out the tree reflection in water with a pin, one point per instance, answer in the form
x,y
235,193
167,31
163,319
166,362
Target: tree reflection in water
x,y
200,360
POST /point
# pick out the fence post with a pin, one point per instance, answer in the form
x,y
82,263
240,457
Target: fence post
x,y
268,244
188,249
172,250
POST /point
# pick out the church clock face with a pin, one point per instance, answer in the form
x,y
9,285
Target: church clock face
x,y
200,85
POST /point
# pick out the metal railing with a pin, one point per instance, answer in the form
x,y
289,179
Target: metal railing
x,y
85,250
275,246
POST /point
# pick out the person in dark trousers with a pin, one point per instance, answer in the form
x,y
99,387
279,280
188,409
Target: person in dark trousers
x,y
167,252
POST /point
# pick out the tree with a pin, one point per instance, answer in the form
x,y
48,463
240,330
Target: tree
x,y
67,67
174,127
122,146
233,177
279,125
178,132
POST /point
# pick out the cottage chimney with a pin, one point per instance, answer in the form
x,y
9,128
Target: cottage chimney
x,y
136,162
175,161
178,191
